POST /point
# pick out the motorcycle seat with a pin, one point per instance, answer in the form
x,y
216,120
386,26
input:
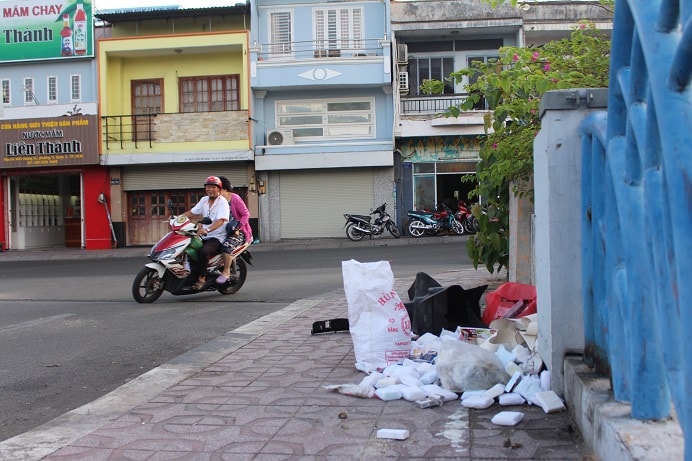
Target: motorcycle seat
x,y
361,216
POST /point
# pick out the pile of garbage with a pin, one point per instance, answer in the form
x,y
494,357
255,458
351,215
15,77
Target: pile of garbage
x,y
448,367
479,364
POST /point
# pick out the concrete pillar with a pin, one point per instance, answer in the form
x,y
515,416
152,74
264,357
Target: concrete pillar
x,y
557,243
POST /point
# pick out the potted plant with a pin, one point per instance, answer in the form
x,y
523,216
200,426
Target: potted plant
x,y
431,87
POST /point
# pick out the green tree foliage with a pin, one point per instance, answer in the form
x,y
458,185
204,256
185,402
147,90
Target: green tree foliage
x,y
512,86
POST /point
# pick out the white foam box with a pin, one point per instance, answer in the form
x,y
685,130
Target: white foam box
x,y
507,418
549,401
396,434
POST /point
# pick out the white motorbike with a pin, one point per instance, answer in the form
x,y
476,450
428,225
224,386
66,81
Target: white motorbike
x,y
172,256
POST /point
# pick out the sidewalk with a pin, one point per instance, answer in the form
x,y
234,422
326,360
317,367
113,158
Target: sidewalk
x,y
256,393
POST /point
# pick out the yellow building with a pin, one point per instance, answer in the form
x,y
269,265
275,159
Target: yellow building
x,y
174,109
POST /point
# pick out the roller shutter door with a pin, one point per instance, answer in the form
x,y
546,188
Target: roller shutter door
x,y
167,177
313,203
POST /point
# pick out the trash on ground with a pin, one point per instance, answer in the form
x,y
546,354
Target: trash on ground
x,y
499,364
378,321
510,300
507,418
397,434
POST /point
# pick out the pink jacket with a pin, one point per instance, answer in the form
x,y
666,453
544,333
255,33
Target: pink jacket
x,y
240,212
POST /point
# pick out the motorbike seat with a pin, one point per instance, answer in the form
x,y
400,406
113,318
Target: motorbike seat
x,y
361,216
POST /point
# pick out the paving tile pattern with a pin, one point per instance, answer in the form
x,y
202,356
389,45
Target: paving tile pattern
x,y
266,402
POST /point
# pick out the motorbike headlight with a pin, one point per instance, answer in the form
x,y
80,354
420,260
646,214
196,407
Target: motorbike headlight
x,y
168,253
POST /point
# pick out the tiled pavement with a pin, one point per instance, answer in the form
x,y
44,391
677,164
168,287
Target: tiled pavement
x,y
257,394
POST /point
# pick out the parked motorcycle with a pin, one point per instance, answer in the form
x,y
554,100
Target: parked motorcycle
x,y
171,257
358,226
432,222
468,221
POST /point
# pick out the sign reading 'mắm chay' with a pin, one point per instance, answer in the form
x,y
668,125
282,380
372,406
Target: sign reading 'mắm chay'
x,y
42,29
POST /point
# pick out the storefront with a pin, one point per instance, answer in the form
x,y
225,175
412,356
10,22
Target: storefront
x,y
53,191
437,169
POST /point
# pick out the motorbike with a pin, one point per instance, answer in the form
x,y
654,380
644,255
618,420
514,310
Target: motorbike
x,y
171,257
468,221
358,226
432,222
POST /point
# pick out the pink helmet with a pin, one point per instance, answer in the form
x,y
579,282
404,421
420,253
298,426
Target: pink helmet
x,y
213,181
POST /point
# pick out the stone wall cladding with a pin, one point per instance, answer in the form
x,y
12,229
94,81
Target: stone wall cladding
x,y
202,126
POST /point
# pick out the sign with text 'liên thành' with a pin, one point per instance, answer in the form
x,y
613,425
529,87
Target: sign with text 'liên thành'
x,y
48,142
43,29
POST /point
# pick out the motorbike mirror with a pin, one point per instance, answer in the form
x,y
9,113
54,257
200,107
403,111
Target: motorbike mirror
x,y
169,203
206,220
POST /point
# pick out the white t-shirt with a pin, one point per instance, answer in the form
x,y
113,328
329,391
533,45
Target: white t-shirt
x,y
219,210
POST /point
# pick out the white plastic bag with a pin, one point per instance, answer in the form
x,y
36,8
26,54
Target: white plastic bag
x,y
464,366
378,321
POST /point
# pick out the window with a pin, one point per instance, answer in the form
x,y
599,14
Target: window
x,y
420,69
6,92
147,101
330,119
75,88
29,97
481,104
209,94
338,29
281,33
52,89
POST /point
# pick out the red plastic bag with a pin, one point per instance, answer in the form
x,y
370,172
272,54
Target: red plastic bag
x,y
510,300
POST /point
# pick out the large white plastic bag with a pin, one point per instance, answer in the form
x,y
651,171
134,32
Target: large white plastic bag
x,y
464,367
378,321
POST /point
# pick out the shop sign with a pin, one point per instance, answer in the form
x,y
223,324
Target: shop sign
x,y
44,29
56,141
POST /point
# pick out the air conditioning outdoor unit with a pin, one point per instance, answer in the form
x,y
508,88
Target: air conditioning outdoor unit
x,y
280,137
403,82
402,53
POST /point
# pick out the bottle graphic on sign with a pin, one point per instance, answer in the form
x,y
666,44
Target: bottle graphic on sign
x,y
66,37
80,30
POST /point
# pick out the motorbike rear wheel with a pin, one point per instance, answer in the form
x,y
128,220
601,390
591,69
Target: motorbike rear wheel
x,y
238,276
416,227
147,286
472,226
353,233
391,227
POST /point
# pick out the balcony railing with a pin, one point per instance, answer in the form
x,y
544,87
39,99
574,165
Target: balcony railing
x,y
434,104
138,131
125,129
321,49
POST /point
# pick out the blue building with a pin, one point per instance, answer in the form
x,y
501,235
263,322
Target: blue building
x,y
321,113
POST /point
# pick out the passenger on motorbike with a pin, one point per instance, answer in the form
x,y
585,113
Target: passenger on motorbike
x,y
238,236
215,207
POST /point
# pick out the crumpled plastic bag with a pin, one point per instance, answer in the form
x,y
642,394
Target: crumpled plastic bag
x,y
462,366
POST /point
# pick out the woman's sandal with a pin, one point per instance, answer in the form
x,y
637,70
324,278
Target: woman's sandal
x,y
199,285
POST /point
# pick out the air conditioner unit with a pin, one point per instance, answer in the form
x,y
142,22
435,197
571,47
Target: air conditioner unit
x,y
403,82
280,137
402,53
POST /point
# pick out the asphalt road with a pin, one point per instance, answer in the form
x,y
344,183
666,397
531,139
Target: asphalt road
x,y
70,331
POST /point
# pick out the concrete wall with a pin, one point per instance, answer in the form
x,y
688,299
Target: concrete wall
x,y
557,242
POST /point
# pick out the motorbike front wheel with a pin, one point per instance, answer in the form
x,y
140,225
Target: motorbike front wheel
x,y
416,228
147,286
353,233
391,227
238,276
457,227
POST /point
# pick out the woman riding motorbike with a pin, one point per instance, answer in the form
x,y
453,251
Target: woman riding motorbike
x,y
238,236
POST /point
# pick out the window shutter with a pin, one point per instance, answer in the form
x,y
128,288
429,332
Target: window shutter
x,y
281,32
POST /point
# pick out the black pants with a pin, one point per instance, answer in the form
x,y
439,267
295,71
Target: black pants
x,y
210,248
